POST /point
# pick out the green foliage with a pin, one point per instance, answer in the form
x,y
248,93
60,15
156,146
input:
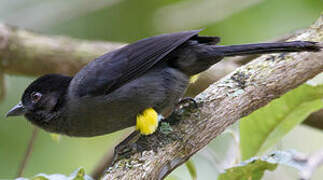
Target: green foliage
x,y
78,174
191,169
266,126
252,169
255,167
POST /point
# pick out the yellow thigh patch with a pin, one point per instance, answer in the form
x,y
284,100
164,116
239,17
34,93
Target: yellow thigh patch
x,y
147,121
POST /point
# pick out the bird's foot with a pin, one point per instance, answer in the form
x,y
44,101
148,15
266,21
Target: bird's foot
x,y
187,103
185,107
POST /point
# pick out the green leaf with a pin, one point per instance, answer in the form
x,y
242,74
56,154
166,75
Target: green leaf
x,y
191,169
78,174
266,126
255,167
252,169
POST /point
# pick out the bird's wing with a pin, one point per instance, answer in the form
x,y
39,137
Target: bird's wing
x,y
114,69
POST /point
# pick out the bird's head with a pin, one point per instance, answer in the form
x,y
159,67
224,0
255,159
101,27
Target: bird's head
x,y
43,99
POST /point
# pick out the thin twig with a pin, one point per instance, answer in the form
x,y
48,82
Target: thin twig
x,y
28,152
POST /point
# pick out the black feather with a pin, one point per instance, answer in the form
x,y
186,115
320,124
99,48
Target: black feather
x,y
114,69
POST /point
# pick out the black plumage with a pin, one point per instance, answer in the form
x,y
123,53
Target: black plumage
x,y
114,69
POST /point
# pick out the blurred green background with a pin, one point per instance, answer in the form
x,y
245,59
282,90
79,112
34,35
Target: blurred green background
x,y
235,21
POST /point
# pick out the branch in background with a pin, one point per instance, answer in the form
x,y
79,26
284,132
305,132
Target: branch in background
x,y
30,54
315,120
222,104
27,53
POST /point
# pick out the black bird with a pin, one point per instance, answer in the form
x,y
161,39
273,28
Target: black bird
x,y
133,85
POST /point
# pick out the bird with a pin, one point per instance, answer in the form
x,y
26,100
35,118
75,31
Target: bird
x,y
136,85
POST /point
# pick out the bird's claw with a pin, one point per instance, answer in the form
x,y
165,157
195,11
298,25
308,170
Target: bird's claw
x,y
184,107
188,103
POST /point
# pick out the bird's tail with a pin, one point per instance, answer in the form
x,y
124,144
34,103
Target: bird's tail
x,y
263,48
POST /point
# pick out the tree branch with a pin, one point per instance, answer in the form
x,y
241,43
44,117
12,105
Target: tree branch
x,y
27,53
222,104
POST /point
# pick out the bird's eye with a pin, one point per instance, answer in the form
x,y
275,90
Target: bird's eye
x,y
35,97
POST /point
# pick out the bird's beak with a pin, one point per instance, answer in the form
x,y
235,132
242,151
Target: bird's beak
x,y
17,110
